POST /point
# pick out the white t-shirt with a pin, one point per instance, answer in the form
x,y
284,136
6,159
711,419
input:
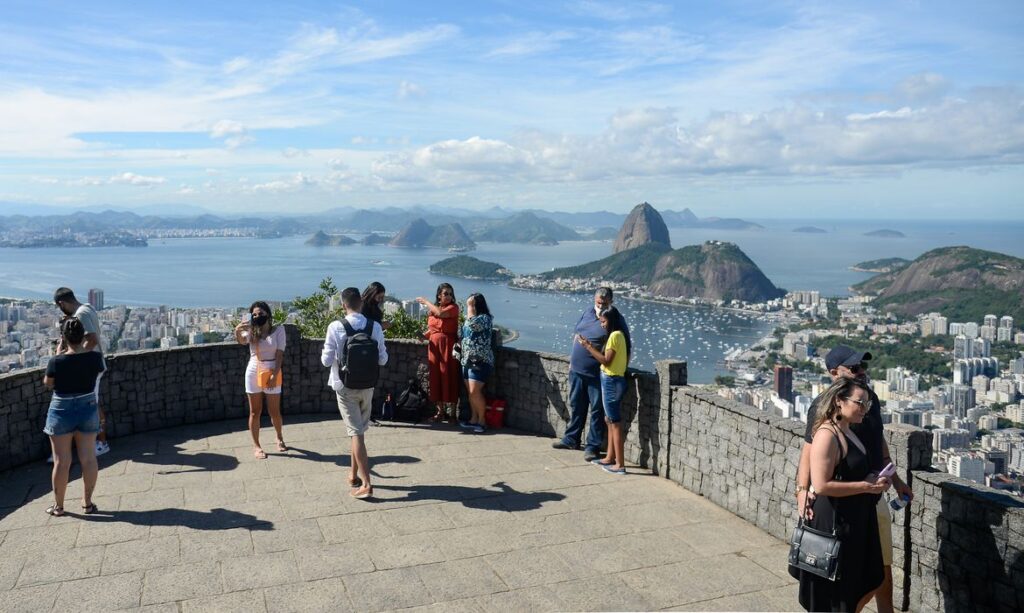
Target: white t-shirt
x,y
268,347
91,322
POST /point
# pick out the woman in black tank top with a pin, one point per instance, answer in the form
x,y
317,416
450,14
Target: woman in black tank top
x,y
846,500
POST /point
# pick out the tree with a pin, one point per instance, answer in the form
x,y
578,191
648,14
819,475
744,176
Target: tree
x,y
404,325
315,312
725,380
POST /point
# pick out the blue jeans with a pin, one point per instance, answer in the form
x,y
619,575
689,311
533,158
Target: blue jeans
x,y
71,414
612,390
584,397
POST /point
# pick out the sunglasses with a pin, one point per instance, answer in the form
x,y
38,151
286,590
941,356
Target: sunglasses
x,y
866,403
446,293
857,368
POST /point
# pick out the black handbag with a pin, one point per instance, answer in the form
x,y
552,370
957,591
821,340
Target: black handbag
x,y
815,551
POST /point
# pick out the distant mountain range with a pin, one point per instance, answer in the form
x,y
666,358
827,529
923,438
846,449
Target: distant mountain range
x,y
489,224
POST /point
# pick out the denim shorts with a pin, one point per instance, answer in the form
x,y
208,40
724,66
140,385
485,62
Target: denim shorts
x,y
612,390
478,372
72,414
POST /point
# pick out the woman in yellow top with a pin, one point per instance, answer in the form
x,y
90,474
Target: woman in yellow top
x,y
613,386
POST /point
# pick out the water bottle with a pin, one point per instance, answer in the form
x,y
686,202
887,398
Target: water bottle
x,y
897,504
388,410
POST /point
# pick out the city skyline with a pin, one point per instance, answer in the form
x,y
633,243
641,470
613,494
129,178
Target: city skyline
x,y
781,110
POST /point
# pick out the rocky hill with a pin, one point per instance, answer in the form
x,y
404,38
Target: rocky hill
x,y
374,239
886,234
525,227
962,283
322,239
418,233
468,267
712,271
644,225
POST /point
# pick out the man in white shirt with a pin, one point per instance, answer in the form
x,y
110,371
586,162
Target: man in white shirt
x,y
71,307
355,400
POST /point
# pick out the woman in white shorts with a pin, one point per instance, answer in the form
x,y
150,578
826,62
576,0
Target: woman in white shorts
x,y
266,353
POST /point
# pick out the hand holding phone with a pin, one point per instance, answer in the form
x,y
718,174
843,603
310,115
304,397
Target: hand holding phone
x,y
888,471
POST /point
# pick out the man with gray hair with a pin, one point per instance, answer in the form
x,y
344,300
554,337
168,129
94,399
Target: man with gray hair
x,y
585,381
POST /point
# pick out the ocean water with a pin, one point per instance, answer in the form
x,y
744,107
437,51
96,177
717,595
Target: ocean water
x,y
234,272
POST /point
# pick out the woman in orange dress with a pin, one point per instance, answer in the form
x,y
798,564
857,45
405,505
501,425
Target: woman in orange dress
x,y
442,334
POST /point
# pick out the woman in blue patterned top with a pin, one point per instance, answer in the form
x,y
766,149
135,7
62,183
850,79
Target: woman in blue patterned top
x,y
477,358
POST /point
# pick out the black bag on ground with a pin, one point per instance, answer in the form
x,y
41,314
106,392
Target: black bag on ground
x,y
412,403
359,357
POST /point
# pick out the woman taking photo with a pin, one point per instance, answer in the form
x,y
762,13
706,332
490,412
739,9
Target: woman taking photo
x,y
263,374
477,358
442,334
373,298
73,415
845,498
614,361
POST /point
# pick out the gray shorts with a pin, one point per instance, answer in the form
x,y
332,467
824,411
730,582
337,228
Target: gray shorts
x,y
355,406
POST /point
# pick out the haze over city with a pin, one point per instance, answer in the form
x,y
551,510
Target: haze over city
x,y
885,110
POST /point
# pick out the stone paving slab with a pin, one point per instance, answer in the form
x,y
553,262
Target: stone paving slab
x,y
190,520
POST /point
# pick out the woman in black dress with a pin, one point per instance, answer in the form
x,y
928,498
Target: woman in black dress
x,y
373,297
846,494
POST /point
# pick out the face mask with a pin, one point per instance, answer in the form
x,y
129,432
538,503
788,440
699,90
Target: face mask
x,y
259,320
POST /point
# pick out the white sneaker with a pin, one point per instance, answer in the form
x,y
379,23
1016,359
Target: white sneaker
x,y
102,448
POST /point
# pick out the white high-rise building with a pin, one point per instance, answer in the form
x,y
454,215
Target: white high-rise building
x,y
987,332
967,466
971,329
1006,322
941,325
963,348
1004,335
991,320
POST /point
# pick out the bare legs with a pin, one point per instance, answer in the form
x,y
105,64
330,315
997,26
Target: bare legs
x,y
256,412
360,465
477,403
61,445
274,408
616,455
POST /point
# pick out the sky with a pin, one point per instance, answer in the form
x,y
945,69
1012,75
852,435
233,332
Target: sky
x,y
762,109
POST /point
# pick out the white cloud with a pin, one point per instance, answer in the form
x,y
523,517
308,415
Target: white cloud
x,y
294,152
186,191
533,43
233,133
297,182
923,87
407,89
130,178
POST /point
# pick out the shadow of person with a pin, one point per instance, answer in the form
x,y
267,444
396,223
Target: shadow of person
x,y
215,519
345,460
504,498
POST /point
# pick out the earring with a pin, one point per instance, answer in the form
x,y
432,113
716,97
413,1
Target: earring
x,y
839,417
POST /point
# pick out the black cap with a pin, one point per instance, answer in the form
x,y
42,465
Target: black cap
x,y
841,355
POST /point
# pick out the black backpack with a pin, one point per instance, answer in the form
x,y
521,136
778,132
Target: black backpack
x,y
412,403
359,357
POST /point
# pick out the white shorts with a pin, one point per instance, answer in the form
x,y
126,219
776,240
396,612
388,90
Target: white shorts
x,y
252,386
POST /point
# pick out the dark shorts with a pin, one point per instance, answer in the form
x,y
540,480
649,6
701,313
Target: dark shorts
x,y
73,414
478,371
612,391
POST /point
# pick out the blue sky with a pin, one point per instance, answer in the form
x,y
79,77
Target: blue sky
x,y
759,109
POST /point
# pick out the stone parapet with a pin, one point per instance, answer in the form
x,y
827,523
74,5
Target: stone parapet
x,y
958,547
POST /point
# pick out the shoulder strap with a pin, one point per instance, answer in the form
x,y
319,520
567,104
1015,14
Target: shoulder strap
x,y
349,330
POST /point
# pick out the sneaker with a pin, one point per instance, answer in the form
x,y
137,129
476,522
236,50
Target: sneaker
x,y
466,425
590,455
478,429
101,448
560,444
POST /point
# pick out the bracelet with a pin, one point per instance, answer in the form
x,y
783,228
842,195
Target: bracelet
x,y
802,488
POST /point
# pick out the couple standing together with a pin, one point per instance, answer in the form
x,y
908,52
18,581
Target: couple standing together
x,y
597,382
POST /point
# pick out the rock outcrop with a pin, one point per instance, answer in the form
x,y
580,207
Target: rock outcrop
x,y
323,239
643,226
418,233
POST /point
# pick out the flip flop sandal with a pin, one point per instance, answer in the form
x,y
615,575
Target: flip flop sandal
x,y
362,493
281,447
55,510
259,454
89,510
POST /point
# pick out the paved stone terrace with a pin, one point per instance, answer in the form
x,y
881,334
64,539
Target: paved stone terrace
x,y
190,521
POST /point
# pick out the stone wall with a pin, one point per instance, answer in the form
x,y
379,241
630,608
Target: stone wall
x,y
958,548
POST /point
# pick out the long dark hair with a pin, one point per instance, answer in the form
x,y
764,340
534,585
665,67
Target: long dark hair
x,y
440,288
73,331
617,324
479,303
256,332
371,310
